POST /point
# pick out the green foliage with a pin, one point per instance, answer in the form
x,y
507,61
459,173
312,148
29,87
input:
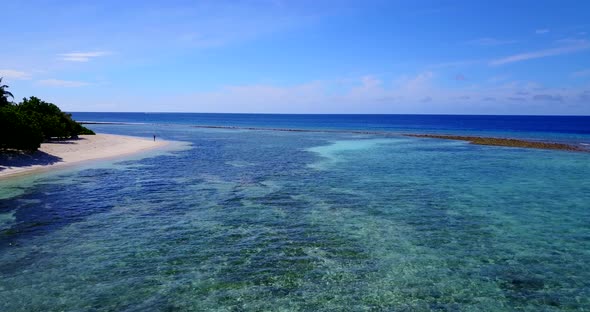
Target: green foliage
x,y
18,131
81,130
53,122
26,125
4,95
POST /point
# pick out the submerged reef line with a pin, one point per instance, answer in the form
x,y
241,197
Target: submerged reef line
x,y
298,130
472,139
492,141
503,142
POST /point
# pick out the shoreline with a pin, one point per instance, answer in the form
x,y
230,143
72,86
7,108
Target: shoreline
x,y
62,154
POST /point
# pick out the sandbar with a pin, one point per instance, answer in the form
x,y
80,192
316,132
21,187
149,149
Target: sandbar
x,y
472,139
504,142
58,154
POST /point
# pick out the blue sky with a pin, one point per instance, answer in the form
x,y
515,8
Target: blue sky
x,y
450,57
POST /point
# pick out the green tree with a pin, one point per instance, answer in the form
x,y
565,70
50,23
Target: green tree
x,y
18,131
25,125
53,122
4,94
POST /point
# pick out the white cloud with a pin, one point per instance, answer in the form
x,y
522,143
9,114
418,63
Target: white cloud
x,y
498,78
416,84
490,42
369,85
460,77
62,83
548,97
367,94
571,47
82,56
581,73
541,31
516,98
453,64
14,74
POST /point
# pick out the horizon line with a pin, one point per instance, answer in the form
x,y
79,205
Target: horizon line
x,y
339,114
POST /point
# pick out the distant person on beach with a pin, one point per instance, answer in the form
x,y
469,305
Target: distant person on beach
x,y
154,138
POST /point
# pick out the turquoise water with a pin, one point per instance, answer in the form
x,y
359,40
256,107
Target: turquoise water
x,y
281,221
568,129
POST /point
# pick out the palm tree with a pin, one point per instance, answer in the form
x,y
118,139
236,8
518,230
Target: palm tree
x,y
4,94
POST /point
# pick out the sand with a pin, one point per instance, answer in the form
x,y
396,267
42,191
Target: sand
x,y
59,154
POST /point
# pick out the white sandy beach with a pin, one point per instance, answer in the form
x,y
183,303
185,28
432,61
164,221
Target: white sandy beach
x,y
70,152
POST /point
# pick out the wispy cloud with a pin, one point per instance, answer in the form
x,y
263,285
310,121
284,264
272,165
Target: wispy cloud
x,y
516,98
499,78
416,83
63,83
571,47
460,77
541,31
454,64
417,93
14,74
581,73
82,56
490,42
548,97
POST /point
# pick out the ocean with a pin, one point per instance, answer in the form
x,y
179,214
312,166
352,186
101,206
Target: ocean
x,y
327,219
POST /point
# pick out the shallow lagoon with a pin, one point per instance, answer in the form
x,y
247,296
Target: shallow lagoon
x,y
262,220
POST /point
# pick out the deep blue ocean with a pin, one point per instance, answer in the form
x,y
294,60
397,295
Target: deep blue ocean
x,y
337,220
455,123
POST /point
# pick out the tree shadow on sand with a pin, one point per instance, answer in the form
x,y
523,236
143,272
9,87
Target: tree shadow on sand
x,y
65,141
23,159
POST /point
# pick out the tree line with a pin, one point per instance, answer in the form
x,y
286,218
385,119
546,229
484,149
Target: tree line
x,y
25,125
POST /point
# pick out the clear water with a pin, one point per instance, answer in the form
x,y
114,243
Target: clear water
x,y
288,221
569,129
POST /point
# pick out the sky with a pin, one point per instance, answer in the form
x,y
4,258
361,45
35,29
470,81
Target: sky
x,y
274,56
